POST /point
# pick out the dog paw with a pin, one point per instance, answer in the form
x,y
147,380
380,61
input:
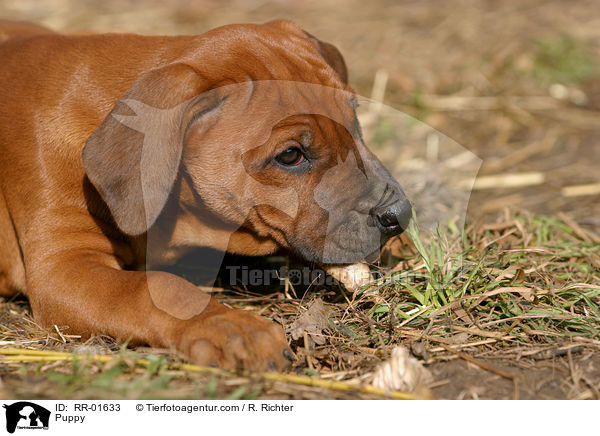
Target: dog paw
x,y
237,339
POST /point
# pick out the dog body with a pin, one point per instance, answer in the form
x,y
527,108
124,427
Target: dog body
x,y
77,206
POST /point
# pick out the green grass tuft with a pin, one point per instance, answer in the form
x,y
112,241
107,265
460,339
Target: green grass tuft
x,y
563,59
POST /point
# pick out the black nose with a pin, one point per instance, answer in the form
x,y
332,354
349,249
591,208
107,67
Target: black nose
x,y
393,219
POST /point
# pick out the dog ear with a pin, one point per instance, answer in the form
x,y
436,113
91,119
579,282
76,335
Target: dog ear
x,y
333,57
133,157
329,51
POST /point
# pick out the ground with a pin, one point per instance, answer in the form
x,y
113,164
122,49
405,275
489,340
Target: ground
x,y
506,309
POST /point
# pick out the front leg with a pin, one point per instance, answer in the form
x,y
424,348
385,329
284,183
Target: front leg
x,y
87,291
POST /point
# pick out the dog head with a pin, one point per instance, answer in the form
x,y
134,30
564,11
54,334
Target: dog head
x,y
256,148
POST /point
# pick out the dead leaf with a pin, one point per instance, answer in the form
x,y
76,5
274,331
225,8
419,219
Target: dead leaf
x,y
313,322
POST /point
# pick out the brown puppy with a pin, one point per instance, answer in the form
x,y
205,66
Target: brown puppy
x,y
118,152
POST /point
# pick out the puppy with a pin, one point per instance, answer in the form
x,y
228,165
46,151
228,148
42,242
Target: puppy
x,y
119,152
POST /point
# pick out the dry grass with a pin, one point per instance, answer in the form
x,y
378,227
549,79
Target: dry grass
x,y
520,290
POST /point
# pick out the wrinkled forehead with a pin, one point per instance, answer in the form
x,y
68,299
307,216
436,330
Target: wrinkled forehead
x,y
255,108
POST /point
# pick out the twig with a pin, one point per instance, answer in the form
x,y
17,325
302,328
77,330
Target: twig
x,y
378,92
556,352
484,333
581,190
466,345
24,355
503,181
467,103
59,333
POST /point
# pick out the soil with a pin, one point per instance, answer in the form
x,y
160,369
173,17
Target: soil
x,y
554,379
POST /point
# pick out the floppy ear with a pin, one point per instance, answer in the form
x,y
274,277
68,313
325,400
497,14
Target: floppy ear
x,y
329,51
133,157
332,56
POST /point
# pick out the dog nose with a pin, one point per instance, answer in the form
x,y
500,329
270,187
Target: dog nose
x,y
393,220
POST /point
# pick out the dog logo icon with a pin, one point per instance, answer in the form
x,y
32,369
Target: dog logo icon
x,y
26,415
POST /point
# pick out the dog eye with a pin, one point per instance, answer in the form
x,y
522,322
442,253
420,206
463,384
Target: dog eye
x,y
291,157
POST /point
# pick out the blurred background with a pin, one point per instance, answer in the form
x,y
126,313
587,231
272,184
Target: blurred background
x,y
515,83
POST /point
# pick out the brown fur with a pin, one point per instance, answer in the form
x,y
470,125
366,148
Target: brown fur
x,y
73,230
